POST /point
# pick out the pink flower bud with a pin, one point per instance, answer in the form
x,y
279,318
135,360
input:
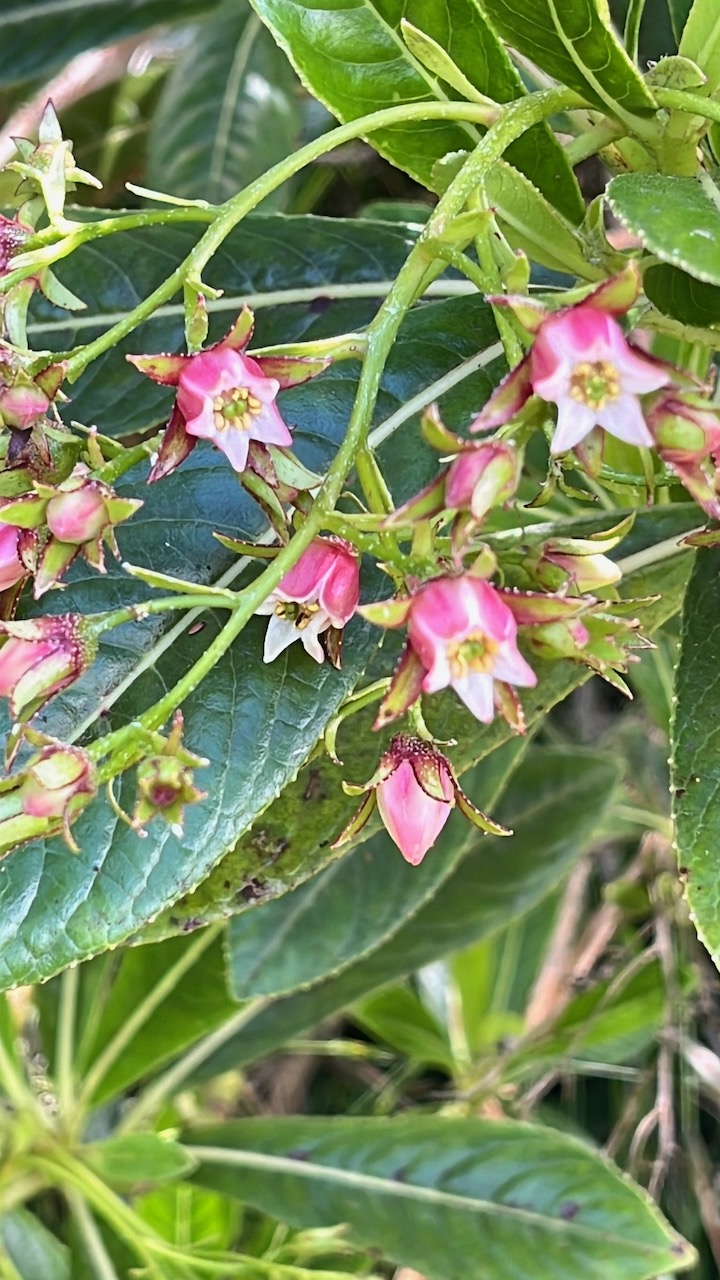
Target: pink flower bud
x,y
41,657
13,235
22,405
11,568
687,436
78,516
586,573
54,780
321,591
482,477
414,817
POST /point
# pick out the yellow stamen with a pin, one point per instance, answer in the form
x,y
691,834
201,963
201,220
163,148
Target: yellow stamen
x,y
594,383
474,654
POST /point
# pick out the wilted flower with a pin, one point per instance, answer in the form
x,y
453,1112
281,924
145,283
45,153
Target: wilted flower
x,y
319,594
582,362
165,782
64,520
41,657
461,633
226,396
414,788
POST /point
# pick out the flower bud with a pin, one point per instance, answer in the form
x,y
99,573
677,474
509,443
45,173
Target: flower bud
x,y
11,567
54,780
41,657
21,405
77,516
482,477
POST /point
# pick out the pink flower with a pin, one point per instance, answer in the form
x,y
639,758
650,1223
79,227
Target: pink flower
x,y
687,437
225,396
11,568
321,592
466,637
582,362
414,788
41,657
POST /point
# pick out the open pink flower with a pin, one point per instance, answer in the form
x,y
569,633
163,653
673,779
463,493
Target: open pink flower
x,y
582,362
225,396
461,634
414,788
319,594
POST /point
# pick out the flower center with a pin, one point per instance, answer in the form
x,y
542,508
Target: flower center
x,y
594,383
476,653
235,408
299,614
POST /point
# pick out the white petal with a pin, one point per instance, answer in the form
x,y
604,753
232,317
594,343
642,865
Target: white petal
x,y
280,633
624,420
575,421
476,692
309,636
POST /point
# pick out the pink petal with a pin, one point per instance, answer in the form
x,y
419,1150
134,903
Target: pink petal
x,y
476,691
575,421
623,418
412,818
510,666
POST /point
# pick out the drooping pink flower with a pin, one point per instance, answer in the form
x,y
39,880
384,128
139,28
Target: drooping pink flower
x,y
319,594
41,657
582,362
225,396
11,567
466,637
414,788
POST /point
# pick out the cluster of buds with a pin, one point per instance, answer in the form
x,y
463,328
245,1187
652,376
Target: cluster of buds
x,y
415,789
59,522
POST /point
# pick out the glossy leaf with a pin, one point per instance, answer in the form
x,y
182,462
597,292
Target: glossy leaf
x,y
574,43
701,40
228,111
60,29
355,904
678,294
137,1158
432,1192
34,1251
354,59
696,751
673,217
679,10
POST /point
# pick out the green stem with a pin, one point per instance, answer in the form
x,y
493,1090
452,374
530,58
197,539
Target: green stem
x,y
517,118
18,1087
593,140
151,1101
142,1012
65,1040
631,33
679,100
93,1241
236,208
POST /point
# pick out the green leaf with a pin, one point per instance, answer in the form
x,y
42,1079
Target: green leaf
x,y
34,1251
553,804
397,1017
677,294
696,751
673,217
573,42
354,59
133,1159
701,40
531,223
431,1192
187,1215
354,905
228,110
679,10
36,36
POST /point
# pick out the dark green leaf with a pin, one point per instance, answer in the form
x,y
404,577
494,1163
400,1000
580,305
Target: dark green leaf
x,y
431,1193
228,110
677,294
135,1158
572,42
353,57
696,750
36,36
674,219
354,905
34,1251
